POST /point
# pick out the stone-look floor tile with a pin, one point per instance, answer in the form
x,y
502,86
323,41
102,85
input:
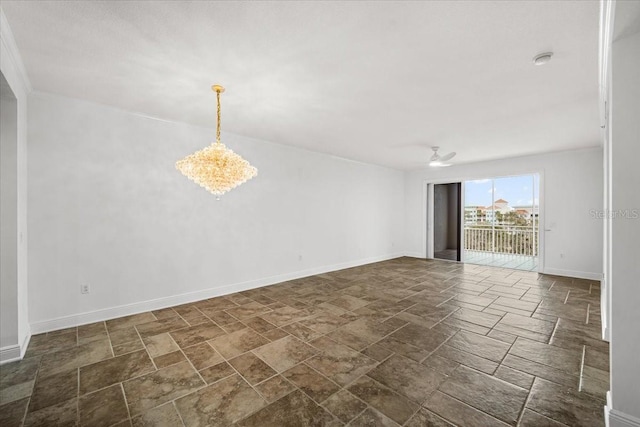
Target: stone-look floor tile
x,y
460,413
275,334
114,370
161,386
317,386
245,311
533,419
371,417
353,341
169,359
426,339
54,389
293,410
461,324
217,372
128,321
345,405
341,364
479,345
128,347
164,313
383,399
545,354
441,364
123,336
407,350
377,352
42,344
521,379
12,414
495,397
274,388
564,404
258,324
160,416
252,368
236,343
103,408
92,332
74,357
63,414
196,334
160,344
407,377
595,382
479,318
528,327
542,371
596,358
160,326
220,404
16,392
424,417
348,302
203,355
301,332
502,336
372,331
442,315
484,365
324,323
285,353
233,327
18,372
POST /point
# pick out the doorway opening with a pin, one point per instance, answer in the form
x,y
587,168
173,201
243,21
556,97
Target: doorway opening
x,y
446,221
501,222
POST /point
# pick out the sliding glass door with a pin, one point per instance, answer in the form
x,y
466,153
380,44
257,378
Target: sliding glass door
x,y
501,218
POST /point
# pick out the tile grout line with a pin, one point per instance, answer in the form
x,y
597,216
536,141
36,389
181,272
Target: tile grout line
x,y
586,322
126,402
553,333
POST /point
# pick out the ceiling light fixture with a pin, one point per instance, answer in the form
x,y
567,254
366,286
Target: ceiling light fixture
x,y
217,168
542,58
438,161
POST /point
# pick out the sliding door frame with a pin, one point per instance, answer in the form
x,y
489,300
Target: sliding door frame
x,y
427,211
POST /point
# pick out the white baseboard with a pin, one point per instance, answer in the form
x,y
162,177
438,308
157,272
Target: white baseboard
x,y
616,418
25,344
9,353
159,303
573,273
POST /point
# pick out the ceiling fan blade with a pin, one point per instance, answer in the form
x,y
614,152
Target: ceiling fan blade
x,y
447,157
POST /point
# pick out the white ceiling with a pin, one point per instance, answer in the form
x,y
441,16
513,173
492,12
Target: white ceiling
x,y
370,81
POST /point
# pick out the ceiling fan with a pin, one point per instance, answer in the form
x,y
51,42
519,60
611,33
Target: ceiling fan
x,y
440,161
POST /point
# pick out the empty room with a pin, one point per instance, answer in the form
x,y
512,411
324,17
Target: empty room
x,y
320,213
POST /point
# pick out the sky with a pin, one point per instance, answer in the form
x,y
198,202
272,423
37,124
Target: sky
x,y
520,190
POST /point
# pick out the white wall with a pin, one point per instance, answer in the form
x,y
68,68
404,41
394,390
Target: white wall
x,y
8,217
625,238
108,208
571,190
13,70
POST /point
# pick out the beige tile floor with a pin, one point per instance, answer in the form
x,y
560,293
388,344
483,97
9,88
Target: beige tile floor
x,y
404,342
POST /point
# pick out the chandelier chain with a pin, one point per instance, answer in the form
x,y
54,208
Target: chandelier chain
x,y
218,126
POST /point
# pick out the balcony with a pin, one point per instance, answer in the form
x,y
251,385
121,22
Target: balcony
x,y
504,245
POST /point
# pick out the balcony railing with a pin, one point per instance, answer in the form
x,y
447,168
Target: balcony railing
x,y
503,239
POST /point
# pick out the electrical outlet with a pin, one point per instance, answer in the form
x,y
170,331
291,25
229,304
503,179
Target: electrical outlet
x,y
84,289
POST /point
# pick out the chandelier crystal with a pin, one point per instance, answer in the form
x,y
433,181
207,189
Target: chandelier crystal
x,y
216,168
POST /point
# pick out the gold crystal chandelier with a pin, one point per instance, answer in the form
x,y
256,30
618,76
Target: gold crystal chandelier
x,y
216,168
